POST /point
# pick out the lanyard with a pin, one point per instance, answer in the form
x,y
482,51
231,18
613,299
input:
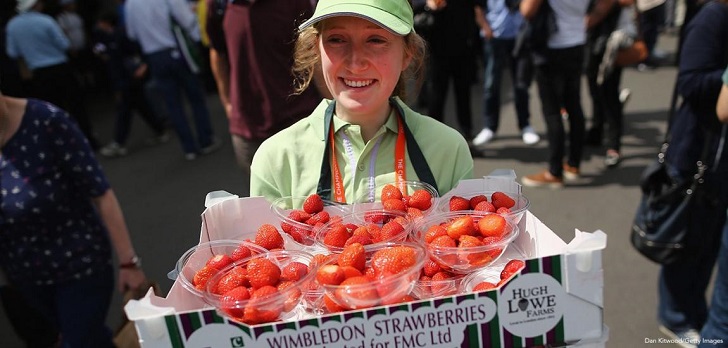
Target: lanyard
x,y
422,169
399,162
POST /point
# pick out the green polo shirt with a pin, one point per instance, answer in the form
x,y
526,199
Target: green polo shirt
x,y
289,162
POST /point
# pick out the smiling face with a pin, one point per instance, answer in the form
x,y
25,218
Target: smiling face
x,y
361,64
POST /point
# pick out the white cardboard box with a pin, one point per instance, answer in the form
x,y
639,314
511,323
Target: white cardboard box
x,y
556,300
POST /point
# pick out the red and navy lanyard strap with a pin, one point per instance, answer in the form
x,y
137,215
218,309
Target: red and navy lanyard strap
x,y
404,138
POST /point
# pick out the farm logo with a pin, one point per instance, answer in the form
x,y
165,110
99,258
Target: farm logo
x,y
531,304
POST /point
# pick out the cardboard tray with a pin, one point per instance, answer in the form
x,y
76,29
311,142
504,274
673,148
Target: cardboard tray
x,y
556,300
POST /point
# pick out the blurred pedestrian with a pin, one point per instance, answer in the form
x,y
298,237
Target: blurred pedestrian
x,y
149,22
558,76
452,58
128,75
716,327
499,22
604,76
60,220
682,306
37,40
651,24
366,135
251,56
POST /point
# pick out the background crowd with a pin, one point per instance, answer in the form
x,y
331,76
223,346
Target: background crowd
x,y
119,49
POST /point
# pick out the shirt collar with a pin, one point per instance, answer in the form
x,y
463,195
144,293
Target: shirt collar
x,y
317,122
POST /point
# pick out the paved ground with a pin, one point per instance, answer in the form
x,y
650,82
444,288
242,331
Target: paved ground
x,y
162,196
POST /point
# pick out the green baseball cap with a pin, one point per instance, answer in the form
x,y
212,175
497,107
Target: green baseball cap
x,y
393,15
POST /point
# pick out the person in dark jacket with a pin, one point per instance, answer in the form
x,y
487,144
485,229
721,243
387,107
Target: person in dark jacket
x,y
682,306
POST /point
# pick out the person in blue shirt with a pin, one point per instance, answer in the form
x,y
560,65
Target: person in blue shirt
x,y
38,40
60,223
499,22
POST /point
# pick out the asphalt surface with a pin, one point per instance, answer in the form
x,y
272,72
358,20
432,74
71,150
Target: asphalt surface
x,y
162,194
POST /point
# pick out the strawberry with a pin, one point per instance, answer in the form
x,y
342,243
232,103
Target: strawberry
x,y
500,199
269,237
321,217
430,268
230,301
313,204
421,199
390,191
503,211
477,199
512,267
444,241
336,236
360,239
350,271
299,234
461,226
241,252
260,309
485,206
394,204
236,277
482,286
375,217
202,276
473,258
414,213
393,260
299,215
318,259
442,284
353,255
262,272
492,225
330,275
389,231
433,232
293,271
219,261
459,203
352,292
331,305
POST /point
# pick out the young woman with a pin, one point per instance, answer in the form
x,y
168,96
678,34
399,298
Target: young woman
x,y
366,135
58,221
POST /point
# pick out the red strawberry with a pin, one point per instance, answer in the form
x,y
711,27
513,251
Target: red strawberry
x,y
393,260
414,213
241,252
421,199
442,284
269,237
299,215
231,301
503,211
353,255
500,199
394,204
202,276
492,225
390,191
256,312
484,286
313,204
485,206
433,232
330,275
357,296
237,276
512,267
336,236
321,217
219,261
293,271
361,239
461,226
262,272
477,199
431,268
459,203
389,231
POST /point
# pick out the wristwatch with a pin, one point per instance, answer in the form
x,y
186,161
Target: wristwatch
x,y
135,262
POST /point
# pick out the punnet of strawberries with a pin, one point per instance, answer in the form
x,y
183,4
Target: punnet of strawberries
x,y
465,241
262,288
511,205
368,228
415,198
299,216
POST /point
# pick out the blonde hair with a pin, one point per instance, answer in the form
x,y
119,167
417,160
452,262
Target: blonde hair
x,y
307,60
